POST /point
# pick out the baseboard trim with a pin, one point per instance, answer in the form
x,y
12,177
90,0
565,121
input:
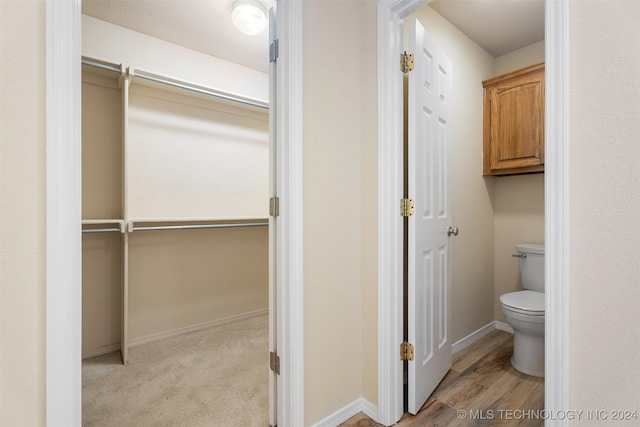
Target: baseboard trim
x,y
504,326
105,349
195,328
475,336
369,409
348,411
110,348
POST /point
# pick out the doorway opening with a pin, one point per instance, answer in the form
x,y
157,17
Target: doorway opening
x,y
175,268
63,390
394,375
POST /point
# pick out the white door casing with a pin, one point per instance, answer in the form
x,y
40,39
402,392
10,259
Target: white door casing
x,y
429,249
63,275
390,381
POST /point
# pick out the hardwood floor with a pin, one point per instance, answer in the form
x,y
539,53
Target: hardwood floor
x,y
481,389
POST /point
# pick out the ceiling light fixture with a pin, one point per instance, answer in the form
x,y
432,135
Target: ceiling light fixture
x,y
249,16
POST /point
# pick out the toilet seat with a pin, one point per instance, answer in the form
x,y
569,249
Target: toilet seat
x,y
524,302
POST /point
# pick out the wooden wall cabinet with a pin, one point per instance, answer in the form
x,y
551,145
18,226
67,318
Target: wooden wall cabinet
x,y
513,136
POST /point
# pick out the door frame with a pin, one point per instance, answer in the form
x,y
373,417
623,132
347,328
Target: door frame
x,y
391,14
63,359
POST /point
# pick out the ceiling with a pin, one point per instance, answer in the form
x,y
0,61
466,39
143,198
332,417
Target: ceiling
x,y
201,25
498,26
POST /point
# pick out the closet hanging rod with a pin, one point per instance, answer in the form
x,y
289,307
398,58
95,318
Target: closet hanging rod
x,y
195,227
101,230
182,85
102,66
170,82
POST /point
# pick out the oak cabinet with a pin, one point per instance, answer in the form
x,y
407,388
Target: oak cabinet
x,y
513,136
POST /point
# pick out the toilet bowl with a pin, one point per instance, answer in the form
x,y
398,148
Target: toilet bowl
x,y
524,311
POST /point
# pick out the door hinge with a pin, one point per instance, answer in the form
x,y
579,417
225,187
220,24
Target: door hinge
x,y
406,207
274,206
274,362
406,351
274,50
406,62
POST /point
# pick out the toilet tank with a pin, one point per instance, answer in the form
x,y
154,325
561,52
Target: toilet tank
x,y
532,266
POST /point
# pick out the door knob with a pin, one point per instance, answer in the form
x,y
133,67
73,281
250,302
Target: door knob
x,y
452,231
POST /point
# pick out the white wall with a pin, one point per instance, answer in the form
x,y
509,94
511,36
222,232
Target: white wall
x,y
195,157
604,204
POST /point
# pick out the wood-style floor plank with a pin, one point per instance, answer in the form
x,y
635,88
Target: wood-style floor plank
x,y
483,386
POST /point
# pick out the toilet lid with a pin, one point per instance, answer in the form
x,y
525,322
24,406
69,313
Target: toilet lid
x,y
532,302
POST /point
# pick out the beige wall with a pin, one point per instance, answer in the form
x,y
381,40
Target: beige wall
x,y
518,204
472,193
604,205
182,279
340,183
519,218
112,43
101,199
22,213
520,58
369,206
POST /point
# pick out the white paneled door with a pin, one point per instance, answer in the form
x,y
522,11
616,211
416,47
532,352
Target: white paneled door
x,y
429,252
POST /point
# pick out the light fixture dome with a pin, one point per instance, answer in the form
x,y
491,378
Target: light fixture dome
x,y
249,16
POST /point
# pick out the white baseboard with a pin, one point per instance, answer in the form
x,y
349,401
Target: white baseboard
x,y
369,409
195,328
99,351
110,348
348,411
475,336
504,326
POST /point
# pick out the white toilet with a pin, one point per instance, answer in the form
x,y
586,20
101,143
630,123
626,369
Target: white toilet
x,y
524,311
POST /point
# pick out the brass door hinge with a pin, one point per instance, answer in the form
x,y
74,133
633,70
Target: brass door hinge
x,y
274,206
406,62
406,351
406,207
274,362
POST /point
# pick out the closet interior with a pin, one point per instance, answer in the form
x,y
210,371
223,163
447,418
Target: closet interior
x,y
175,181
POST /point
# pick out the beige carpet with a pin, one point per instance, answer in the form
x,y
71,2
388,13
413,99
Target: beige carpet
x,y
215,377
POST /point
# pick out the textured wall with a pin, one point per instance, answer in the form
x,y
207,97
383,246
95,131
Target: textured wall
x,y
339,203
22,213
604,204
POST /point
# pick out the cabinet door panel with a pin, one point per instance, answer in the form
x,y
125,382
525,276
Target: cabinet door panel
x,y
517,124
